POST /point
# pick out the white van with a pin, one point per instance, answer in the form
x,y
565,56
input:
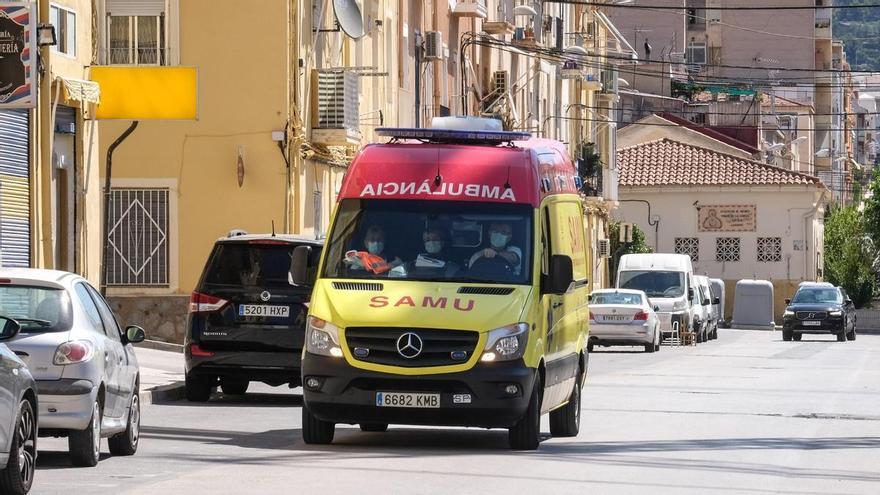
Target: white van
x,y
668,281
709,316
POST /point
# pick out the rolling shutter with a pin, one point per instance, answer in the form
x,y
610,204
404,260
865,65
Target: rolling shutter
x,y
135,7
15,233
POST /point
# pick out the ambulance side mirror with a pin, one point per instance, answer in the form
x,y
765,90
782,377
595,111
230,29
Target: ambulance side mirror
x,y
299,265
561,275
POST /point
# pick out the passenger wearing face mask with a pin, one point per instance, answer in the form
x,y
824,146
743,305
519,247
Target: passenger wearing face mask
x,y
500,234
374,245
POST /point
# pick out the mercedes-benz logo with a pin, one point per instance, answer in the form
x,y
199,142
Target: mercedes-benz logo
x,y
409,345
265,295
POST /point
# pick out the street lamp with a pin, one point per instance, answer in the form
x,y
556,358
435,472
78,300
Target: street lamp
x,y
46,35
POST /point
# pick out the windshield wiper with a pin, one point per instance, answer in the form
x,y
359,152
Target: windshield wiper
x,y
42,323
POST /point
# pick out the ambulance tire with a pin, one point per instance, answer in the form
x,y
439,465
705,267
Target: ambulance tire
x,y
315,431
526,433
566,421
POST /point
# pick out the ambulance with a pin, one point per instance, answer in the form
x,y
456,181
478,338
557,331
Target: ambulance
x,y
452,289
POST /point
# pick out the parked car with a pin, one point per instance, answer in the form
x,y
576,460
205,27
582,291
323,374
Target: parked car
x,y
718,290
819,309
668,280
18,417
711,310
246,317
623,317
85,368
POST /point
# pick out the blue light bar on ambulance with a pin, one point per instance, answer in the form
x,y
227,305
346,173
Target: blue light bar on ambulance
x,y
453,136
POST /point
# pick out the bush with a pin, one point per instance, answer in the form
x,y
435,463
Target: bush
x,y
849,254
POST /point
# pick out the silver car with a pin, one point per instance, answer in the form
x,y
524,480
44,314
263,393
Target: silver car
x,y
18,417
623,317
86,371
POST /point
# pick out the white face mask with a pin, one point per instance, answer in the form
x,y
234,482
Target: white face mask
x,y
498,239
433,247
375,247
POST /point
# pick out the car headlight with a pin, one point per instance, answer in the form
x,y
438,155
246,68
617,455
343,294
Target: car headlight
x,y
788,313
679,305
836,312
322,338
506,343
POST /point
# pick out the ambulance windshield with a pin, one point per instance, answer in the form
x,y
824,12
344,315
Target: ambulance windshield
x,y
441,241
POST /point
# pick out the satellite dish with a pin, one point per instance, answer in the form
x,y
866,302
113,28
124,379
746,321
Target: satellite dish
x,y
348,15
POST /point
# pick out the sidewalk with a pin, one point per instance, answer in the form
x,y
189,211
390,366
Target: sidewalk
x,y
161,368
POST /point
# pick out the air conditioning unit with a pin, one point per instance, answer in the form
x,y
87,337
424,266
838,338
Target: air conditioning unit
x,y
603,248
500,82
433,45
335,108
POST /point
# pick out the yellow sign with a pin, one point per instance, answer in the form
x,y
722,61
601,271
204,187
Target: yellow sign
x,y
727,218
145,93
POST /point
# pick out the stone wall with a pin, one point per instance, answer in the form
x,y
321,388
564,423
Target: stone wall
x,y
162,317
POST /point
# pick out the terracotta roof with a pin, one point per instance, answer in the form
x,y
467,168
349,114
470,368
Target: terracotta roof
x,y
665,162
785,102
716,133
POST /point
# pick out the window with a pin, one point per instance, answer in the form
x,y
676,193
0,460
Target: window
x,y
692,16
37,309
696,52
64,21
727,249
136,40
689,246
769,249
111,326
138,237
82,293
654,283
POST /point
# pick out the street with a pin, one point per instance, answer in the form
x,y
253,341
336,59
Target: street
x,y
747,413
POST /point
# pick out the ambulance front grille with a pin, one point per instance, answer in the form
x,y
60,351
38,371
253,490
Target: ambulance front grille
x,y
486,291
379,345
357,286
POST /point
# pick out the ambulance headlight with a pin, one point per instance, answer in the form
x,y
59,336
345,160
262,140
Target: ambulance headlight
x,y
506,343
322,338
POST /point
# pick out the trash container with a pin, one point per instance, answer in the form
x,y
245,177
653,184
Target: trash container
x,y
753,305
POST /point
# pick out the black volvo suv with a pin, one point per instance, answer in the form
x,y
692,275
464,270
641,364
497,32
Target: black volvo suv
x,y
246,319
821,309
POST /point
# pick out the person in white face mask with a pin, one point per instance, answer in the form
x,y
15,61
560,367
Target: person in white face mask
x,y
500,234
374,244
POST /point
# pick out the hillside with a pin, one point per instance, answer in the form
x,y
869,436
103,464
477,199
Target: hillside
x,y
860,31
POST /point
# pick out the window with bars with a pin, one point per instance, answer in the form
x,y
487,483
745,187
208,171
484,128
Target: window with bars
x,y
689,246
727,249
137,239
136,40
769,249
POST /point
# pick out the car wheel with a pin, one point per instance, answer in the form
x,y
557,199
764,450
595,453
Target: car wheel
x,y
658,338
566,421
851,335
126,443
786,335
590,347
797,336
649,347
18,475
314,430
85,445
526,433
374,427
198,388
232,386
841,337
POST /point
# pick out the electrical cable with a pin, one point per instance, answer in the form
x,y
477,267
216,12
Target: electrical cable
x,y
589,3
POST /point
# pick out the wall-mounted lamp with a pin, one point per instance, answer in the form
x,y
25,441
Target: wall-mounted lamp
x,y
524,10
46,35
240,166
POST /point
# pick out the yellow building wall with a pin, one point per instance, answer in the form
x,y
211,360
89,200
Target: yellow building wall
x,y
243,97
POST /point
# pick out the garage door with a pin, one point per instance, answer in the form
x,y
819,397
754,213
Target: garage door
x,y
15,234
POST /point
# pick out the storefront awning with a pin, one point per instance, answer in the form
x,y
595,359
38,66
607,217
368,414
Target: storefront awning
x,y
81,90
623,46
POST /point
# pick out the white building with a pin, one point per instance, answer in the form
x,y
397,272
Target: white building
x,y
737,218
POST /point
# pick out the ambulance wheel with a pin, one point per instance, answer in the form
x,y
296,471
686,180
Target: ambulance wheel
x,y
526,433
315,431
566,421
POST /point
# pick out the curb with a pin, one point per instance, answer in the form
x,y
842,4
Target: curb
x,y
162,393
160,346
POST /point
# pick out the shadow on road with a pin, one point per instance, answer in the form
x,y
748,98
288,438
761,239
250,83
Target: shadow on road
x,y
56,459
219,399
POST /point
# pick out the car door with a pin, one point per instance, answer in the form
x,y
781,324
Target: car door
x,y
114,357
107,352
8,396
127,365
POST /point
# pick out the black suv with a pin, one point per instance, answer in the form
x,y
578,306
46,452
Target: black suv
x,y
246,319
819,308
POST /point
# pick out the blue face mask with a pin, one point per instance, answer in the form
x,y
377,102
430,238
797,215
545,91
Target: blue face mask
x,y
433,247
498,239
375,247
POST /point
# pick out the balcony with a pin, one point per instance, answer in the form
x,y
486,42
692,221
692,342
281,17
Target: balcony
x,y
823,23
471,8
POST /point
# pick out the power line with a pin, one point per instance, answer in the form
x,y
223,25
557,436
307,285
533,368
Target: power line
x,y
589,3
625,123
738,114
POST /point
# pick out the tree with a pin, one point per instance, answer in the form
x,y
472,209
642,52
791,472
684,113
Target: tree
x,y
848,257
618,249
872,210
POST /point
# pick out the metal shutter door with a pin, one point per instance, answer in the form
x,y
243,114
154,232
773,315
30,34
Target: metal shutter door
x,y
15,230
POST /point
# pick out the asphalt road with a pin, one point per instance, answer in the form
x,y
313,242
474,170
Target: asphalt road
x,y
748,413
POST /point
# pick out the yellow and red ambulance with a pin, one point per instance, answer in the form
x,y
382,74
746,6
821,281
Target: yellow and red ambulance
x,y
452,289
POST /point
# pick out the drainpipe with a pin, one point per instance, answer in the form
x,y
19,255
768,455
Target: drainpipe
x,y
105,237
655,223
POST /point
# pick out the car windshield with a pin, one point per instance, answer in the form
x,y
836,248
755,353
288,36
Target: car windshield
x,y
36,309
444,241
253,264
616,298
817,296
653,283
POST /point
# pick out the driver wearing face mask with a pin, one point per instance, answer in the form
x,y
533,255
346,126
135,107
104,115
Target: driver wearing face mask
x,y
374,244
500,234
